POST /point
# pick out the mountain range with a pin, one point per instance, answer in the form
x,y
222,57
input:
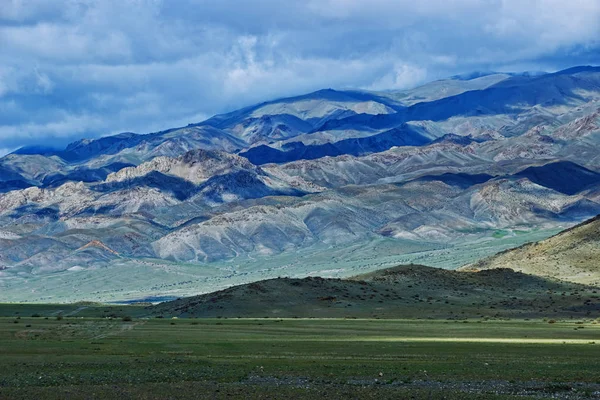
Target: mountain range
x,y
492,159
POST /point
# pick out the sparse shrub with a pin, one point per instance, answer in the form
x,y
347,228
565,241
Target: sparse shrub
x,y
558,387
552,321
59,317
127,318
35,315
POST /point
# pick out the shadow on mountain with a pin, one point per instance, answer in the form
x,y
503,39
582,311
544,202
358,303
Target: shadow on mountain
x,y
511,96
461,180
239,185
7,186
84,175
563,176
180,188
400,136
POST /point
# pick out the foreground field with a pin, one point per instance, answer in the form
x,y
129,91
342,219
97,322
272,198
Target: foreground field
x,y
87,358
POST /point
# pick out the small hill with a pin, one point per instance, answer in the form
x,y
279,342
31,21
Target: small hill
x,y
412,291
572,255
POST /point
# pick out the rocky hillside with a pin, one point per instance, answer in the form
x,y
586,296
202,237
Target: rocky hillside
x,y
572,255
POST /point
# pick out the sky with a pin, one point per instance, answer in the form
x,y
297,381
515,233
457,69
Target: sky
x,y
88,68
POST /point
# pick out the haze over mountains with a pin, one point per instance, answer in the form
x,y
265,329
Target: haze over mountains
x,y
456,161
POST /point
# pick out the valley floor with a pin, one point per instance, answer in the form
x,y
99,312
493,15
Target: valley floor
x,y
80,357
139,279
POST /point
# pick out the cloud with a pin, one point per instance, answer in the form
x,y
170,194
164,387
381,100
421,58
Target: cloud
x,y
73,68
402,76
4,152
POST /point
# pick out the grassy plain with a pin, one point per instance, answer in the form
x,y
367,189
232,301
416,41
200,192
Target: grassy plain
x,y
84,357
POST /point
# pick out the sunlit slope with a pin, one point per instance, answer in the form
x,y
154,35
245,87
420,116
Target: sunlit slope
x,y
572,255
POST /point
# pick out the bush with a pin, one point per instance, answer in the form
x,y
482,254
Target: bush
x,y
59,317
127,318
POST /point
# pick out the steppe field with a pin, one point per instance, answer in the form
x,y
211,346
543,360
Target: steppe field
x,y
59,352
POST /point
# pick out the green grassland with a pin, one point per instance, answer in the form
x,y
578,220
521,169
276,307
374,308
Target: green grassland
x,y
82,357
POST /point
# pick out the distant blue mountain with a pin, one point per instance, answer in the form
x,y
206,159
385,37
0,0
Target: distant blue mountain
x,y
32,150
228,119
480,74
563,176
510,96
400,136
85,149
